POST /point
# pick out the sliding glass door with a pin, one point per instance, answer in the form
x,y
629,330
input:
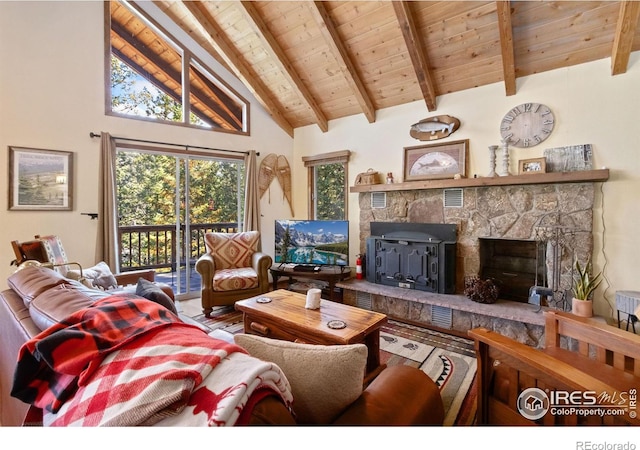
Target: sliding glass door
x,y
167,202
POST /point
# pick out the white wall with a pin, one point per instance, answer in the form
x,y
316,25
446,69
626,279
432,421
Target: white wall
x,y
52,96
590,107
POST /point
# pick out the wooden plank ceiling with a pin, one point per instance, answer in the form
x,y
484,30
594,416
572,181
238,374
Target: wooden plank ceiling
x,y
310,62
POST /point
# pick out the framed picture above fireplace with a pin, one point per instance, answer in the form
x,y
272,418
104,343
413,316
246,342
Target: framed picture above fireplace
x,y
436,161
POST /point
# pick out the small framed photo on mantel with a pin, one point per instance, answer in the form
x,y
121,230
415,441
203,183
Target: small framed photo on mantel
x,y
532,166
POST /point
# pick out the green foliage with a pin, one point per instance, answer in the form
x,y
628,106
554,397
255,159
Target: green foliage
x,y
330,195
335,251
339,247
128,97
286,243
146,185
150,185
584,282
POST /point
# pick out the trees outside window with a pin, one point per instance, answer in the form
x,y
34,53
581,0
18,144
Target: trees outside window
x,y
328,188
167,203
329,196
147,183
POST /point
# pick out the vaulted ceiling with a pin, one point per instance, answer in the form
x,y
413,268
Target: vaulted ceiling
x,y
310,62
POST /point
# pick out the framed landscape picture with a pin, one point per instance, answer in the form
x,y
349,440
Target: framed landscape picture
x,y
436,161
40,179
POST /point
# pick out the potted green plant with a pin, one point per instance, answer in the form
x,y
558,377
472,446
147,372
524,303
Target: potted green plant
x,y
584,284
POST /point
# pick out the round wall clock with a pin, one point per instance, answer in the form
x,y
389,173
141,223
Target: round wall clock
x,y
527,125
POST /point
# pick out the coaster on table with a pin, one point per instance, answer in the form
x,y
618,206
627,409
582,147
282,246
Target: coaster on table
x,y
336,324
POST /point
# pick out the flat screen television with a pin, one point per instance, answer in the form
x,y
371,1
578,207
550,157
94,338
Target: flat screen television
x,y
316,242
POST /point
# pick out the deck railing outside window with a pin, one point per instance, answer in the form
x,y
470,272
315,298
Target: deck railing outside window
x,y
156,247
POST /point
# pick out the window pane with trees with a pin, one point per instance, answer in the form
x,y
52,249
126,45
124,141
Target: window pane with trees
x,y
167,202
330,192
328,176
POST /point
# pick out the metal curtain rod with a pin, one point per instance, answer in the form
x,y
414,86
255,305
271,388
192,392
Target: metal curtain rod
x,y
94,135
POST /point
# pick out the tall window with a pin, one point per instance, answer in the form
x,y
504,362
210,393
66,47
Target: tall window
x,y
151,76
328,185
166,204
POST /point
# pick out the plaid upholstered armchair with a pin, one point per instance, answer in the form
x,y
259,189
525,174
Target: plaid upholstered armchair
x,y
232,269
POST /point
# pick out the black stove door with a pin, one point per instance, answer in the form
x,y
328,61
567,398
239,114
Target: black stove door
x,y
406,264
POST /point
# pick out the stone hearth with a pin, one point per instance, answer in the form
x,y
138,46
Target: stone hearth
x,y
519,321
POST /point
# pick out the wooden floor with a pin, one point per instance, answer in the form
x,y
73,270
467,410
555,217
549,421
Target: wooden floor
x,y
190,308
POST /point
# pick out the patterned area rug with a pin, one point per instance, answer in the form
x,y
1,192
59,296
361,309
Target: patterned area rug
x,y
224,318
448,360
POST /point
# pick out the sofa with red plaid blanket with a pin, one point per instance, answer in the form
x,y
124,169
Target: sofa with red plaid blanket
x,y
72,355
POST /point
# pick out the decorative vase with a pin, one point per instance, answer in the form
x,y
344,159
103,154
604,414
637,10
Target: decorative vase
x,y
492,160
582,308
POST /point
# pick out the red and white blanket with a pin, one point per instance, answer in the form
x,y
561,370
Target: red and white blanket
x,y
128,361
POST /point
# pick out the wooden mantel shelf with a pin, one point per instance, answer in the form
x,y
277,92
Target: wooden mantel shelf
x,y
539,178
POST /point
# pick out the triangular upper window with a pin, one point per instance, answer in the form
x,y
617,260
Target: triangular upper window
x,y
146,70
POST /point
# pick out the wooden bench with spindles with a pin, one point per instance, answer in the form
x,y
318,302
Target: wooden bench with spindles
x,y
598,363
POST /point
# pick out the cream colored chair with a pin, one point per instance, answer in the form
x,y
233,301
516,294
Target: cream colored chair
x,y
232,269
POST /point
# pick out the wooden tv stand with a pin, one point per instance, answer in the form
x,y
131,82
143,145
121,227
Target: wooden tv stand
x,y
329,274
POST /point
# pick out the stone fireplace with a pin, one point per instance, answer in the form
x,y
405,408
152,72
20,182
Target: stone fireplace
x,y
530,213
543,215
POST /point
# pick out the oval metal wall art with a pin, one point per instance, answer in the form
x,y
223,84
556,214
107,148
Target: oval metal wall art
x,y
433,128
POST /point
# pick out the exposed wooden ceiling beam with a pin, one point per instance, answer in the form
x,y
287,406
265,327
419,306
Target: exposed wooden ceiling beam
x,y
348,68
225,48
623,39
211,90
503,9
273,48
416,51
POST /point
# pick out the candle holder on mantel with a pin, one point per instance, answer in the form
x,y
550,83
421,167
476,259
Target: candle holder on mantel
x,y
492,160
504,170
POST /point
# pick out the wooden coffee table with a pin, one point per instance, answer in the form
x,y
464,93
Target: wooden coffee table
x,y
285,317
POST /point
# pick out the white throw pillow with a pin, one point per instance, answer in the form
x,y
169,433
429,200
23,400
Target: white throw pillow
x,y
98,276
324,379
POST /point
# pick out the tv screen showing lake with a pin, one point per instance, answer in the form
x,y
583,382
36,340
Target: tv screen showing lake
x,y
321,242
